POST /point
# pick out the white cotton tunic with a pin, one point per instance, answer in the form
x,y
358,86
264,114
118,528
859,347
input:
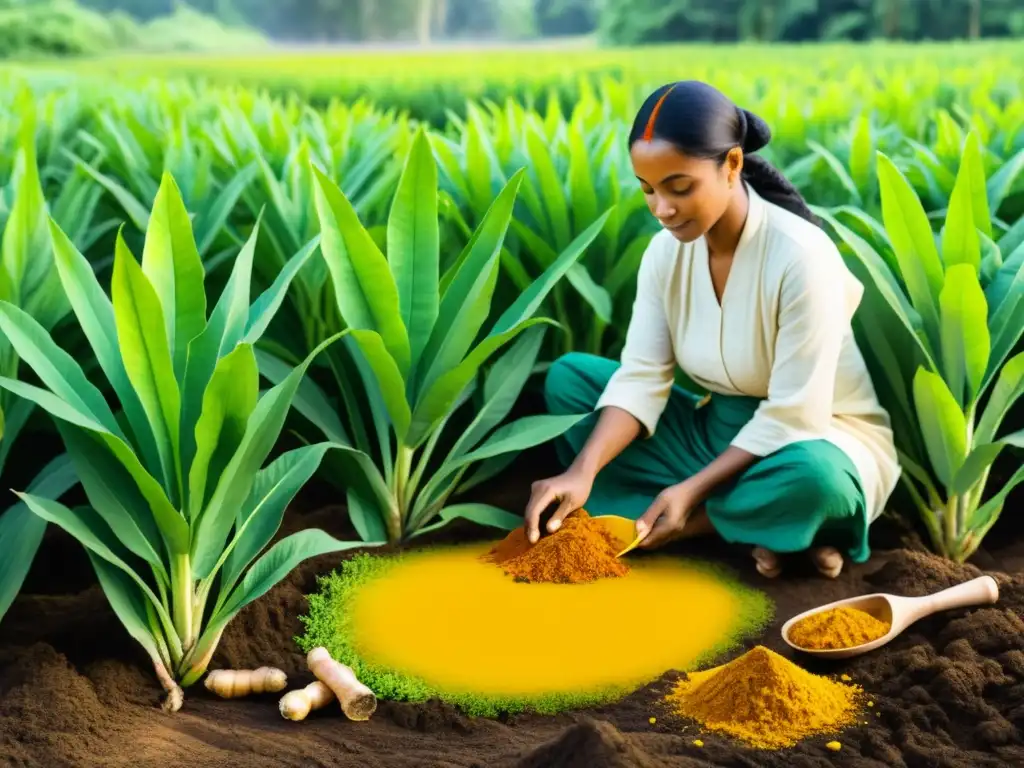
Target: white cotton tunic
x,y
782,333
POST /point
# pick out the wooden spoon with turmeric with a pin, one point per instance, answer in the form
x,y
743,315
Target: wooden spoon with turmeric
x,y
894,612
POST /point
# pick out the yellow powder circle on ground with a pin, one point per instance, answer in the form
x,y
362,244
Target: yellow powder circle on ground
x,y
842,627
765,700
463,627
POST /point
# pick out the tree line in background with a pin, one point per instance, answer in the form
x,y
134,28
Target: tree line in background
x,y
616,21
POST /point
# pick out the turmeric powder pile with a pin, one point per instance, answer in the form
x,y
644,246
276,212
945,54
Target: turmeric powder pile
x,y
581,550
765,700
842,627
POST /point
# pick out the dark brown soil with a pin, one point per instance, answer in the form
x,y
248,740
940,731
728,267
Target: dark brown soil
x,y
75,690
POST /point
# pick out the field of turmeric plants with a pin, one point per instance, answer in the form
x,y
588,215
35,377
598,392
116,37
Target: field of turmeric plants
x,y
247,330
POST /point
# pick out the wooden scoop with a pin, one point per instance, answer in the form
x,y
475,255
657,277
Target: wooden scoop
x,y
623,529
900,612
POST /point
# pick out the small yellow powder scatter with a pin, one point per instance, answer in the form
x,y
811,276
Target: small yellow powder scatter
x,y
653,720
698,743
765,700
842,627
835,746
871,703
845,678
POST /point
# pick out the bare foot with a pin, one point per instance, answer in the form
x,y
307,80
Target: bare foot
x,y
828,561
768,564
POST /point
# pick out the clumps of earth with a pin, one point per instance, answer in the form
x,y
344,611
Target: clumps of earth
x,y
74,690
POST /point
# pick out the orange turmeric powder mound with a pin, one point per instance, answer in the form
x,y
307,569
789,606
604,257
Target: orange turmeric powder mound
x,y
765,700
842,627
581,550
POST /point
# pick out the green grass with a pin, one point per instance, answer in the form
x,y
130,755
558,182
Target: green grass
x,y
329,623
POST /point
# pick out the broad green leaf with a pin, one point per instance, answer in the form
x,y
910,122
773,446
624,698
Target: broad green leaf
x,y
218,338
437,401
309,399
1013,238
95,315
130,203
389,379
128,602
235,483
92,533
550,187
981,458
112,492
365,515
21,531
942,425
1007,283
172,524
860,152
528,302
581,182
482,514
24,232
366,292
1008,389
965,337
260,517
212,220
269,302
522,434
277,563
1007,326
466,302
577,275
913,242
413,244
228,402
54,367
1002,181
838,170
170,261
972,164
960,243
147,358
504,384
883,281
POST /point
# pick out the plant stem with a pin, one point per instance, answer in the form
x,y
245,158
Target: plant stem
x,y
421,466
196,669
403,467
949,520
181,597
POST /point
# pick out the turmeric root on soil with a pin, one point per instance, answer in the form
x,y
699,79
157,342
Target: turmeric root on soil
x,y
296,705
234,683
357,701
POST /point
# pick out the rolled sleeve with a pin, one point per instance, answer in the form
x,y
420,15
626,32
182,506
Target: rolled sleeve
x,y
642,384
814,313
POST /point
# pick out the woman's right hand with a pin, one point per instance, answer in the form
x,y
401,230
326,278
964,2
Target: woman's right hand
x,y
571,489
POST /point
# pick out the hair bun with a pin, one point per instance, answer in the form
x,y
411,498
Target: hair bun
x,y
754,131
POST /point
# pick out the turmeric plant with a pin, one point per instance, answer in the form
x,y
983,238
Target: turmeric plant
x,y
415,352
27,280
941,326
179,506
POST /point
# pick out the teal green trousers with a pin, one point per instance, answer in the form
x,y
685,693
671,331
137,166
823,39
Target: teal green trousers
x,y
805,495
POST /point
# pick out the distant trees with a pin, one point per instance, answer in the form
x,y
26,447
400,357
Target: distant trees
x,y
616,21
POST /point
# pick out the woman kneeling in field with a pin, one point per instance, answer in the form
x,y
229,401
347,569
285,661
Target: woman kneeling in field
x,y
744,291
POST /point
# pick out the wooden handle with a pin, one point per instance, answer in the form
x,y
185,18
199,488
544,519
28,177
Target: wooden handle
x,y
979,591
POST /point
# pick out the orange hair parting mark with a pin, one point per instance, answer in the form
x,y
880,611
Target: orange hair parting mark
x,y
649,128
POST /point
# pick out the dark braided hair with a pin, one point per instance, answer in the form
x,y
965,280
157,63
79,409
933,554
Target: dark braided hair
x,y
702,122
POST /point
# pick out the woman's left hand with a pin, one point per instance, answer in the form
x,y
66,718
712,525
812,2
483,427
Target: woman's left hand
x,y
665,519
